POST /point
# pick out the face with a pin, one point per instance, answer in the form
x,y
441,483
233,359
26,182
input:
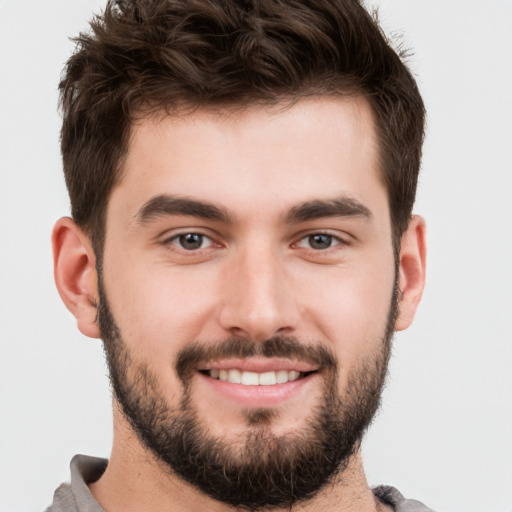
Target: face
x,y
247,297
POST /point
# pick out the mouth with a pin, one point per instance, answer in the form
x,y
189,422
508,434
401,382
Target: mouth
x,y
251,378
258,382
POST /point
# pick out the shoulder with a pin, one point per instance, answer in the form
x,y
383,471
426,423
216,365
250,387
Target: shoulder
x,y
76,497
63,500
392,496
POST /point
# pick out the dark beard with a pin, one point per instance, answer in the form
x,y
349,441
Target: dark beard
x,y
270,470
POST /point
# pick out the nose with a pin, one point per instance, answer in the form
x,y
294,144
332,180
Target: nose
x,y
258,300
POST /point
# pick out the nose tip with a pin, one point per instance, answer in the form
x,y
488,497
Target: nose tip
x,y
258,302
258,327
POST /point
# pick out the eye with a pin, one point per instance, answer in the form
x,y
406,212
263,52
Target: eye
x,y
191,241
319,241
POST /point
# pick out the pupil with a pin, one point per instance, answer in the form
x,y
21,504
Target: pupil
x,y
320,241
191,241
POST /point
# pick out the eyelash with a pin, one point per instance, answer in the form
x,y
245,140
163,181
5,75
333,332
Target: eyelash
x,y
178,239
333,239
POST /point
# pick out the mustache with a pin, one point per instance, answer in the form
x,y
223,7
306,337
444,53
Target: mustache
x,y
191,357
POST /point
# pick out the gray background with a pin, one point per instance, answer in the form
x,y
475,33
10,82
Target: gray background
x,y
444,435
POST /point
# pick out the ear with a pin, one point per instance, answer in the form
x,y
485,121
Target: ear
x,y
413,255
74,265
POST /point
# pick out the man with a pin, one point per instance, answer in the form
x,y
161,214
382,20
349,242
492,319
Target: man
x,y
242,176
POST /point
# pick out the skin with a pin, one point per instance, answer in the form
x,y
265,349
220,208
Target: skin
x,y
256,275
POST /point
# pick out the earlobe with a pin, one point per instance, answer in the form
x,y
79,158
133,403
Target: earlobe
x,y
75,274
412,269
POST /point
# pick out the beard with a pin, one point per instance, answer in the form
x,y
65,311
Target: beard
x,y
265,470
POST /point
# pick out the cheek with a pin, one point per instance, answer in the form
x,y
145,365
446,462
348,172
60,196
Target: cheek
x,y
160,308
352,314
350,305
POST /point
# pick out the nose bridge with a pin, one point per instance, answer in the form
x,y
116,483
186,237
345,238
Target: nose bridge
x,y
258,301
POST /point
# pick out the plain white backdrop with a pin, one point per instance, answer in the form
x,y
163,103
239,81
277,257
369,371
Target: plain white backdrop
x,y
444,434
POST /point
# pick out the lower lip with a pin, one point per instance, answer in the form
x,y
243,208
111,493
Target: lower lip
x,y
258,396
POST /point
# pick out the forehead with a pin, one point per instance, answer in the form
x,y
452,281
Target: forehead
x,y
270,157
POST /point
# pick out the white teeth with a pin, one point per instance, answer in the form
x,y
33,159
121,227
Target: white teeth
x,y
235,376
267,378
293,375
250,378
254,379
282,377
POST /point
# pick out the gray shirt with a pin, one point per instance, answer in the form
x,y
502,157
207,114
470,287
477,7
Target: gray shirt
x,y
76,497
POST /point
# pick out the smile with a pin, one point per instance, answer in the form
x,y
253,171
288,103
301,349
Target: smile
x,y
247,378
257,382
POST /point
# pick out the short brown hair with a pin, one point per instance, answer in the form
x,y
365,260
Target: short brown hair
x,y
159,54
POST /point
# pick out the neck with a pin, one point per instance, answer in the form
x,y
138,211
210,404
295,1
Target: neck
x,y
135,480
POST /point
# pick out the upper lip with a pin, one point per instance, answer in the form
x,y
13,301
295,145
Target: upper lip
x,y
259,365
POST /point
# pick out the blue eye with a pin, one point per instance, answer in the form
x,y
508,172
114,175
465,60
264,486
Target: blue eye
x,y
319,241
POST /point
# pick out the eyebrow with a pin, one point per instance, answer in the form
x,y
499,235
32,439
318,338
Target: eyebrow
x,y
338,207
164,205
